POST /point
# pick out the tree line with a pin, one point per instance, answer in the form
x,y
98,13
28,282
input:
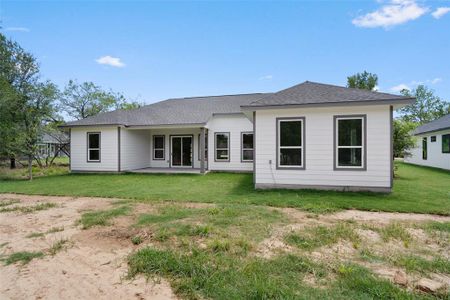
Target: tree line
x,y
426,108
31,105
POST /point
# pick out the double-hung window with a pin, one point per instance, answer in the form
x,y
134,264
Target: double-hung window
x,y
290,143
246,146
222,144
158,147
350,142
93,147
446,143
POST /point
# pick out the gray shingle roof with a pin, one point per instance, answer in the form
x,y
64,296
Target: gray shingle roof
x,y
439,124
195,110
318,93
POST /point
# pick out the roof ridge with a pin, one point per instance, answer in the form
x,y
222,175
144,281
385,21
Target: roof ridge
x,y
193,97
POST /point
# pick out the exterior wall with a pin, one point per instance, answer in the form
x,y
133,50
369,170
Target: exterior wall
x,y
167,133
435,157
134,149
234,124
319,150
108,149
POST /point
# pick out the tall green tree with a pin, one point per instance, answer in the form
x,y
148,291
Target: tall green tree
x,y
26,102
86,99
403,140
364,80
426,108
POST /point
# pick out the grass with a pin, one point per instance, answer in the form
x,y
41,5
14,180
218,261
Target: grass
x,y
317,236
203,274
23,257
28,209
416,189
422,265
57,246
8,202
40,234
395,231
102,217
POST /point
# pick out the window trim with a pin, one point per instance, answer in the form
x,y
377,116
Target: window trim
x,y
99,148
303,146
163,148
215,147
363,167
206,146
242,147
442,143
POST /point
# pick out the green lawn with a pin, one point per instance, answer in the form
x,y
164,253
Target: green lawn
x,y
416,189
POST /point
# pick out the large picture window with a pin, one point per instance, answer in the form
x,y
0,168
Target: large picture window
x,y
93,147
247,146
159,147
424,148
206,146
290,143
350,143
446,143
222,144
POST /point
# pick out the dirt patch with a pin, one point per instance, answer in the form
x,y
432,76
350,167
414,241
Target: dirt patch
x,y
385,217
93,267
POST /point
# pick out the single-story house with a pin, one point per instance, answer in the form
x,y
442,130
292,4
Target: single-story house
x,y
311,135
432,144
53,144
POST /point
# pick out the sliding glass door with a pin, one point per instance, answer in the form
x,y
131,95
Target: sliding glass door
x,y
181,151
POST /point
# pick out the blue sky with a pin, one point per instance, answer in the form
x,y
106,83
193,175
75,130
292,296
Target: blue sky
x,y
151,51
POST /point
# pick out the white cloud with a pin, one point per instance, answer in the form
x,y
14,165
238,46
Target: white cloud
x,y
414,83
440,11
400,87
266,77
396,12
435,80
110,61
19,29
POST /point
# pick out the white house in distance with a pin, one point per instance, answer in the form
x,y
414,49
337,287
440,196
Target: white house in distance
x,y
432,144
311,135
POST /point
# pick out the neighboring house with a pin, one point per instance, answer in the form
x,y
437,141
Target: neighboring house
x,y
432,144
311,135
53,144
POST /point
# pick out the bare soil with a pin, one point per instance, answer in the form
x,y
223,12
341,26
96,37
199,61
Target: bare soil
x,y
93,266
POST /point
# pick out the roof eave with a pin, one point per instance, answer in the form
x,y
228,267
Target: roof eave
x,y
401,102
431,131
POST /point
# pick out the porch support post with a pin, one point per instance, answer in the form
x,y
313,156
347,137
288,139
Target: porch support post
x,y
202,150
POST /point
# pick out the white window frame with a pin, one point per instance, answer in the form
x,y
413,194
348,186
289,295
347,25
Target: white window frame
x,y
159,149
99,147
362,147
247,149
301,147
221,149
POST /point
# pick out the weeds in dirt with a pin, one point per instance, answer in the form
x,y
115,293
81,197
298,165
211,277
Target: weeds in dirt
x,y
8,202
317,236
395,231
28,209
102,217
57,246
136,240
413,263
41,234
24,257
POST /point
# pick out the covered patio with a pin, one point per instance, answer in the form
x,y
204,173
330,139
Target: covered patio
x,y
169,171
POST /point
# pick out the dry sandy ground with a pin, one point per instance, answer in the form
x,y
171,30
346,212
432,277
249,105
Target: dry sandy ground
x,y
91,267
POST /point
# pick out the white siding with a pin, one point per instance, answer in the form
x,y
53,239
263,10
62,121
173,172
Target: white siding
x,y
319,143
135,149
108,149
435,157
234,124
